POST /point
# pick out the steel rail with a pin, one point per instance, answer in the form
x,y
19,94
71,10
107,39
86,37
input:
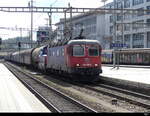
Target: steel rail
x,y
77,103
50,106
119,90
125,91
121,97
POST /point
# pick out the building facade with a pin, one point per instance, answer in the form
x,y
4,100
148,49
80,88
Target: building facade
x,y
43,34
132,29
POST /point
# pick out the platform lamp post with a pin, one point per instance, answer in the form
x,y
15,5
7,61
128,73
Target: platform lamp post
x,y
114,34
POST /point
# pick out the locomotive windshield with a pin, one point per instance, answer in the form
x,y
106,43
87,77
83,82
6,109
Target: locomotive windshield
x,y
93,51
78,50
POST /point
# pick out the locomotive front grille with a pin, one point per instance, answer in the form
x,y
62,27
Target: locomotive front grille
x,y
86,71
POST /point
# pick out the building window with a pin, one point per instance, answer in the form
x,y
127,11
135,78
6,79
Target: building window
x,y
127,16
127,40
140,12
148,22
119,38
138,25
119,27
119,5
127,27
138,40
111,19
111,29
148,39
119,17
148,8
137,2
126,4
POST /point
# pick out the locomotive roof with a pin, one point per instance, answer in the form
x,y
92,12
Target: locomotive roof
x,y
84,41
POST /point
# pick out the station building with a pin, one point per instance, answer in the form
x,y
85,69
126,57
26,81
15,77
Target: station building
x,y
131,29
43,34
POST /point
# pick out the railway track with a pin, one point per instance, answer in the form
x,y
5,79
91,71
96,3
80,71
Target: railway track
x,y
121,94
116,93
132,97
53,99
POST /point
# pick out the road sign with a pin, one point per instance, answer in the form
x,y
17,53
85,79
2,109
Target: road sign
x,y
118,45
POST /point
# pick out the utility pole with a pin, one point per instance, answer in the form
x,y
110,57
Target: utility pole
x,y
20,38
68,30
30,4
21,33
114,34
65,25
122,33
50,24
104,1
122,21
71,25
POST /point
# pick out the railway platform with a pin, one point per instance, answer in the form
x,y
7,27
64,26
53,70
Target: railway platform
x,y
15,97
138,74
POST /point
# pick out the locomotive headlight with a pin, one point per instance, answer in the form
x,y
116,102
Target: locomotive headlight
x,y
77,64
96,64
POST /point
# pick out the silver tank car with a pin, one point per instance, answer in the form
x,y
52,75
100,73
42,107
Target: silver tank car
x,y
39,57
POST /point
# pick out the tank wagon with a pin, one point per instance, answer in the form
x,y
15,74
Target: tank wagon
x,y
32,57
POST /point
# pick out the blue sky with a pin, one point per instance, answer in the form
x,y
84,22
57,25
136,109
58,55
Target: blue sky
x,y
23,19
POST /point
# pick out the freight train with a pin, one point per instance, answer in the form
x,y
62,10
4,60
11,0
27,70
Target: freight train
x,y
135,56
77,58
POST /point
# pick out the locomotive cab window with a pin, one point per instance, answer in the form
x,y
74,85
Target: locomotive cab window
x,y
78,50
93,51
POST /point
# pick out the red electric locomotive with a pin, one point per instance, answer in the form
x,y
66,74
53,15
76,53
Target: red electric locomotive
x,y
83,57
77,57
